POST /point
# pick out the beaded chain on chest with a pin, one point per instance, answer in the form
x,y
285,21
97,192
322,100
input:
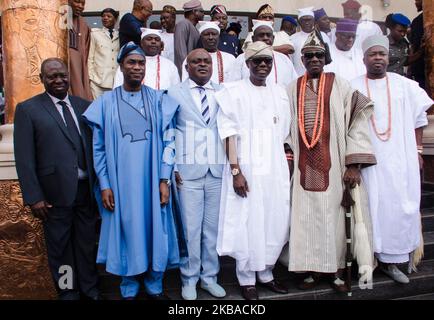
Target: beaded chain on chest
x,y
383,136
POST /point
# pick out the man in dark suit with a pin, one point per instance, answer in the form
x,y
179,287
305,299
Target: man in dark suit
x,y
53,152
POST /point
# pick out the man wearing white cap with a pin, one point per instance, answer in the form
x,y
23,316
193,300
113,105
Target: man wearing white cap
x,y
161,73
306,19
254,121
222,62
329,143
281,42
186,35
396,130
282,71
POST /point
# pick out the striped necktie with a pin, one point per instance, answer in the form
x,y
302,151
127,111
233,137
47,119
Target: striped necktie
x,y
204,104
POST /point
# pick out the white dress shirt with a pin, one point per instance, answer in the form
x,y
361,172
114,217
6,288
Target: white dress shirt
x,y
81,173
209,91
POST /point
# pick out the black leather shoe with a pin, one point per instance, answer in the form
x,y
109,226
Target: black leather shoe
x,y
160,296
249,292
275,286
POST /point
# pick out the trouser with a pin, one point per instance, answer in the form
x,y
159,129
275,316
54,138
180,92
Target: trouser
x,y
153,283
393,258
70,237
248,278
199,202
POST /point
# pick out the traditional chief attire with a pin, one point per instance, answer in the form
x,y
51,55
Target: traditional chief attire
x,y
104,48
365,28
160,74
253,230
168,38
346,64
299,39
79,43
169,45
320,13
394,183
227,43
317,238
280,37
186,35
131,156
222,62
282,72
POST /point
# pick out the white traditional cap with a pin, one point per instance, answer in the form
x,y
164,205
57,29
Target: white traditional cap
x,y
303,12
147,32
205,25
258,49
262,23
376,40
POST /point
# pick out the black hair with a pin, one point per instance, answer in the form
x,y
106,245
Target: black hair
x,y
112,11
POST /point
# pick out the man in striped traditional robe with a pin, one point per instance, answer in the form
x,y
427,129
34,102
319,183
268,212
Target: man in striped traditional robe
x,y
330,143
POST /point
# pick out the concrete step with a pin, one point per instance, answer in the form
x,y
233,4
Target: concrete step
x,y
428,238
421,283
427,296
427,199
428,219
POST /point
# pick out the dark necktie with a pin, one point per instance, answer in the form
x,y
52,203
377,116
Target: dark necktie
x,y
74,134
111,33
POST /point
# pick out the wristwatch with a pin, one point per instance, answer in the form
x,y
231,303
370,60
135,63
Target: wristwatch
x,y
235,172
166,181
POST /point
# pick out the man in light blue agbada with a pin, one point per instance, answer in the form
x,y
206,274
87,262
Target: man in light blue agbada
x,y
134,155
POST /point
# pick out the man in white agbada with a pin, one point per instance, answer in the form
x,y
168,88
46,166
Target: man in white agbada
x,y
282,71
161,73
306,19
253,121
396,129
347,60
281,40
365,28
330,143
222,62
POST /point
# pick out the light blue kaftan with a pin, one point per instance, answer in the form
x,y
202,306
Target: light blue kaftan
x,y
130,158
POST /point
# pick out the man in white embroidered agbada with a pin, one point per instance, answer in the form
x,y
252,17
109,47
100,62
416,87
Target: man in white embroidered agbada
x,y
396,130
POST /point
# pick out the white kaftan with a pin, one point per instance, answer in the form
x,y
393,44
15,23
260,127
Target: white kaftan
x,y
253,230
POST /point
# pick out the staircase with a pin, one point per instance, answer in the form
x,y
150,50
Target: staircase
x,y
421,286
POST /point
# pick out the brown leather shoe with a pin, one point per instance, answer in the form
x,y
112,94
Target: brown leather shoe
x,y
275,286
249,292
305,285
339,288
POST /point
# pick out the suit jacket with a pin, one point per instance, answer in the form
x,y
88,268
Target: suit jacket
x,y
103,54
205,152
45,155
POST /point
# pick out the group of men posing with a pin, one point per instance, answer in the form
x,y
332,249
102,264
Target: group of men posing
x,y
209,168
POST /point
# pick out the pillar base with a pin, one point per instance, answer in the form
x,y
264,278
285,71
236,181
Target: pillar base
x,y
23,259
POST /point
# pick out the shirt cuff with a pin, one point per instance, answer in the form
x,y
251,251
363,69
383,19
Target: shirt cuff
x,y
166,171
104,183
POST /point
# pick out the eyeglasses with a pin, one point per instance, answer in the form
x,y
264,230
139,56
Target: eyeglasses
x,y
259,60
310,55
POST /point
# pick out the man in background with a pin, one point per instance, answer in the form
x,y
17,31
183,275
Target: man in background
x,y
104,48
131,23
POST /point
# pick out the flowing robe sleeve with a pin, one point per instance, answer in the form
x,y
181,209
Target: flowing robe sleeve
x,y
168,110
359,110
420,102
227,118
94,117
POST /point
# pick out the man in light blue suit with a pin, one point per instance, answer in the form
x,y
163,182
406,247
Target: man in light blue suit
x,y
200,159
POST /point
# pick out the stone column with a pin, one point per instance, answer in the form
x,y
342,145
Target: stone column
x,y
428,135
33,30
